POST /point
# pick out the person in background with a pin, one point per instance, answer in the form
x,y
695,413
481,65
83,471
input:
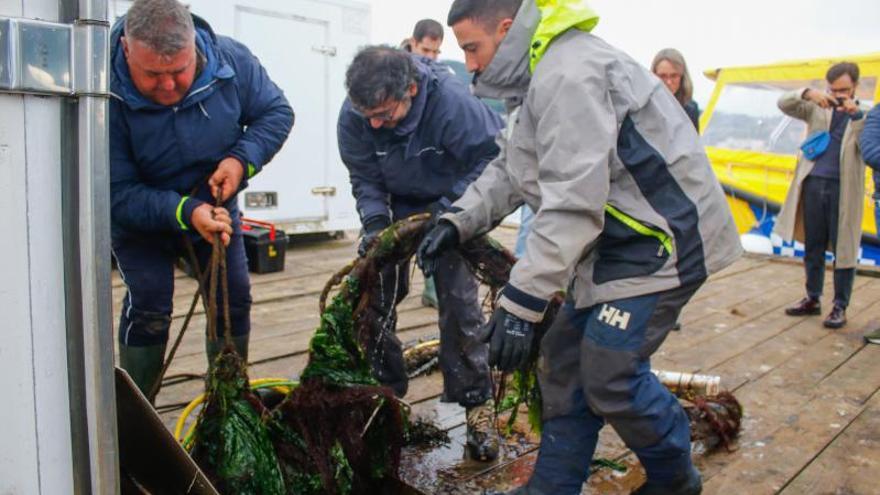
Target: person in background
x,y
670,67
188,105
426,39
629,222
870,145
824,205
413,137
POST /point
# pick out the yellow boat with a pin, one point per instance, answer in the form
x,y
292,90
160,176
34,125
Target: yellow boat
x,y
753,146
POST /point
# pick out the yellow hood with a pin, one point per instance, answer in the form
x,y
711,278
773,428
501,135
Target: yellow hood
x,y
557,17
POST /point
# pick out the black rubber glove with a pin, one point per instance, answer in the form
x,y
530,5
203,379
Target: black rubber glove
x,y
372,229
442,237
511,340
438,208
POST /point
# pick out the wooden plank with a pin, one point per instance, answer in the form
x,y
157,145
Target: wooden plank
x,y
783,453
284,329
759,320
731,311
289,366
850,464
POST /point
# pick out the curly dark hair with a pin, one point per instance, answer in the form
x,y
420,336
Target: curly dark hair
x,y
379,73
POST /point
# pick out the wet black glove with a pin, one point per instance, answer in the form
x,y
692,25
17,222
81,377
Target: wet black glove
x,y
438,208
511,340
441,238
372,229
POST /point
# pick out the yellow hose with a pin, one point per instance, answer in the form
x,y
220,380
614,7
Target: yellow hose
x,y
422,346
282,385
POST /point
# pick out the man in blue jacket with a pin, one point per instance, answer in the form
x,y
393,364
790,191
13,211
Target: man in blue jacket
x,y
413,138
870,145
193,116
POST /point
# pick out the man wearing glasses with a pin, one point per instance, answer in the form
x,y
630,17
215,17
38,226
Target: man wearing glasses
x,y
413,138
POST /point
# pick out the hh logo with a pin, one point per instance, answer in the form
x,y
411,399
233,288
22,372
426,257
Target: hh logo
x,y
614,317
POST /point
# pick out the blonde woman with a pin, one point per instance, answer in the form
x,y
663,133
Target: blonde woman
x,y
670,67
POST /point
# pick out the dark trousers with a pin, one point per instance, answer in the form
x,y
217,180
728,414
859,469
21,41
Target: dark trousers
x,y
821,207
596,369
146,264
463,355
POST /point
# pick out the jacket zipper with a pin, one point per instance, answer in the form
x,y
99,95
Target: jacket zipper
x,y
664,238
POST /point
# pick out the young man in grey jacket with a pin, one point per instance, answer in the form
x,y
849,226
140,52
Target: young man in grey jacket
x,y
629,222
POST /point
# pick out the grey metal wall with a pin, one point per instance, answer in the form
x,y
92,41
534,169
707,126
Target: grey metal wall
x,y
36,456
57,409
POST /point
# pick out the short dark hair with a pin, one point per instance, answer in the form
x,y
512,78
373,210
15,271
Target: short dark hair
x,y
379,73
488,13
841,69
428,28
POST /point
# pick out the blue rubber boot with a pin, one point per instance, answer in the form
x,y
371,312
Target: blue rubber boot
x,y
690,484
567,447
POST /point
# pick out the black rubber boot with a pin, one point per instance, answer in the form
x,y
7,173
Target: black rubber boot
x,y
143,364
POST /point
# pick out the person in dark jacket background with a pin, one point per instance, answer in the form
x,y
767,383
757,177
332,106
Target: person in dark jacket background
x,y
669,65
426,39
413,138
193,115
870,145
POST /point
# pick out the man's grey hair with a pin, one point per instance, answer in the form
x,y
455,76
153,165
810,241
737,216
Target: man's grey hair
x,y
165,26
378,74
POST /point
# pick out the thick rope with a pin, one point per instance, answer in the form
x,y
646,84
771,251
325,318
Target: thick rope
x,y
200,294
217,268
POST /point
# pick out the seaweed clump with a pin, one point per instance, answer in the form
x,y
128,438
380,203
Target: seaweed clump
x,y
232,445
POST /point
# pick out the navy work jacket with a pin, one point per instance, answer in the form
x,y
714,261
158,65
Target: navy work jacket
x,y
159,154
441,146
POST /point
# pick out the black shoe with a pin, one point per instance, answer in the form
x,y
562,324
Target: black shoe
x,y
807,306
692,484
676,327
837,318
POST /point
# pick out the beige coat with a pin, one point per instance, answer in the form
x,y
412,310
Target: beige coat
x,y
790,223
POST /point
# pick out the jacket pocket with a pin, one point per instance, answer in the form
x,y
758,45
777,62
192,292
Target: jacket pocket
x,y
629,248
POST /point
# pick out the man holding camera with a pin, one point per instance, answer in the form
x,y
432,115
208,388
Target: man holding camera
x,y
824,205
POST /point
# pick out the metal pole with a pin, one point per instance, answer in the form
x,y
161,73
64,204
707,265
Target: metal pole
x,y
88,248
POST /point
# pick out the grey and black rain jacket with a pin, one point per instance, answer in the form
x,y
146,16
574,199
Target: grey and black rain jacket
x,y
626,202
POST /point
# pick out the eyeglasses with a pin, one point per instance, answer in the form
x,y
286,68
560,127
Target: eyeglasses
x,y
669,77
384,116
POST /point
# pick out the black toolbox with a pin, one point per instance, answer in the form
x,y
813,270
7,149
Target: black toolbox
x,y
264,245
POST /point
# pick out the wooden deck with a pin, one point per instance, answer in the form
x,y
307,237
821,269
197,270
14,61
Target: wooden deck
x,y
812,422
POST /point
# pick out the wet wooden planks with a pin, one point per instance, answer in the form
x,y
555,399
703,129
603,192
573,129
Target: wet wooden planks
x,y
810,395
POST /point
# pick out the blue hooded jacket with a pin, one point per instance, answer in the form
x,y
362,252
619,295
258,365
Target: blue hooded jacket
x,y
159,154
434,153
870,145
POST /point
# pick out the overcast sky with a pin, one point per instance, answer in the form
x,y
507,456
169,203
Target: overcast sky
x,y
710,33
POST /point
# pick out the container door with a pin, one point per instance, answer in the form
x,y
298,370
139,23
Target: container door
x,y
294,50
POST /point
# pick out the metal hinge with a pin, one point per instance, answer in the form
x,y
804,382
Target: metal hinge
x,y
324,191
330,51
49,58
